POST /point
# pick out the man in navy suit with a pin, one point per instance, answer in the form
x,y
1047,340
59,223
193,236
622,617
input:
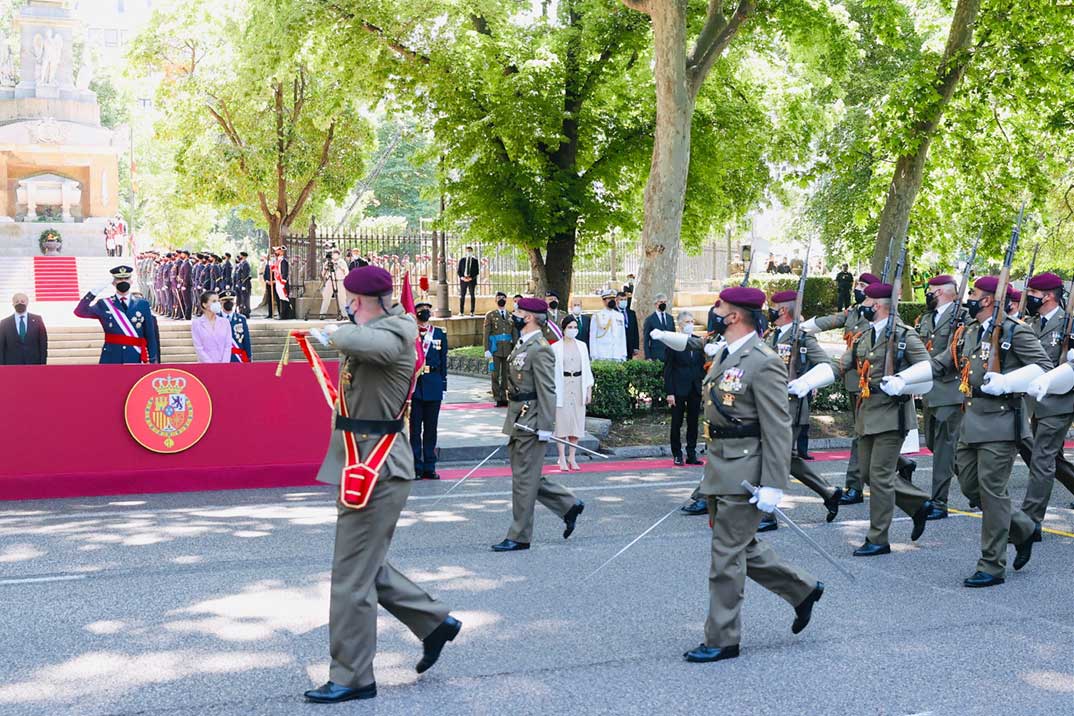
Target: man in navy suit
x,y
23,338
241,351
658,320
428,395
129,329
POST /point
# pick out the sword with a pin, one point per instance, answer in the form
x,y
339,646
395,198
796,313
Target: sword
x,y
561,441
813,543
466,477
616,555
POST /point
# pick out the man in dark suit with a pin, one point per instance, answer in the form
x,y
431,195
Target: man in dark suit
x,y
630,323
583,321
356,260
23,338
683,371
428,395
659,320
228,270
184,285
469,268
242,283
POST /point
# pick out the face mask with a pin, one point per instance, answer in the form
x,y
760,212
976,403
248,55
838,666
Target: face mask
x,y
577,310
868,312
661,307
621,304
571,333
215,307
20,308
719,324
610,304
553,305
859,295
424,314
519,321
973,307
228,305
123,286
930,301
688,328
1033,304
773,314
501,302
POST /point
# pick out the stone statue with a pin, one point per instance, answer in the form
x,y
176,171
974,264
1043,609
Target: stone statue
x,y
48,53
39,58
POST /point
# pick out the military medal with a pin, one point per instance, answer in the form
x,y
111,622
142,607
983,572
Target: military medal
x,y
785,352
986,351
728,399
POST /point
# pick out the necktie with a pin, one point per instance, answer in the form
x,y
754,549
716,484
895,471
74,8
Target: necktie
x,y
1043,322
663,323
123,302
723,356
22,327
503,314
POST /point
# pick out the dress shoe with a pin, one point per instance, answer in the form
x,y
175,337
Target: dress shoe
x,y
920,518
509,545
906,471
806,456
872,550
1023,551
768,524
692,460
832,504
429,475
982,579
697,507
433,644
936,513
703,654
677,461
804,611
331,693
501,403
571,518
852,496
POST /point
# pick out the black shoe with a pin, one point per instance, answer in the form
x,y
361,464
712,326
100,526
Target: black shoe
x,y
1024,551
429,475
704,654
571,518
806,456
906,471
677,461
872,550
920,519
433,644
982,579
697,507
509,545
768,524
501,403
852,496
936,513
832,504
331,693
804,611
692,460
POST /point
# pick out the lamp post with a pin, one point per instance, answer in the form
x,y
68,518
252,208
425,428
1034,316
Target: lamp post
x,y
443,310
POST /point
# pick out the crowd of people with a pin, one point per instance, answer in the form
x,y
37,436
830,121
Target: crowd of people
x,y
174,281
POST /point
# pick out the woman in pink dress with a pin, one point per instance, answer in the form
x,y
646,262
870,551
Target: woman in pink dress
x,y
211,333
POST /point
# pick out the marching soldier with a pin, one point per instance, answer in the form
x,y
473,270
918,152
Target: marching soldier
x,y
532,396
500,337
370,460
942,404
129,327
749,438
993,421
241,351
883,418
428,394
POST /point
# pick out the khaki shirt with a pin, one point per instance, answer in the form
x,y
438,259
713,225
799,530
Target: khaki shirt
x,y
936,335
880,412
815,355
852,323
1051,340
495,325
531,370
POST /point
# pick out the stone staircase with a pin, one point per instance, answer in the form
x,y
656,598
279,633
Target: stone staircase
x,y
16,276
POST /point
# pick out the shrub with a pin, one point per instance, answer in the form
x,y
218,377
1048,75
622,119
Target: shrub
x,y
624,389
910,312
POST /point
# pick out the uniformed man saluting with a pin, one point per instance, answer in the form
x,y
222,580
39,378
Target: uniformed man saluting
x,y
532,395
130,332
370,459
749,438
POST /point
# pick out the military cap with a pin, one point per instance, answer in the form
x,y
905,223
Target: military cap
x,y
784,296
878,290
988,284
368,281
226,293
743,296
868,278
1045,282
122,272
533,305
501,294
1013,294
942,280
423,304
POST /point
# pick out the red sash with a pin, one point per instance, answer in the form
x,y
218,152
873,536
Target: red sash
x,y
241,354
118,340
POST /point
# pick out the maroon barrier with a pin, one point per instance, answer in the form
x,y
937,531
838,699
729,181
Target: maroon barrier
x,y
63,434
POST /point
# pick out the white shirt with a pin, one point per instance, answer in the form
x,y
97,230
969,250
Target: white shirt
x,y
940,310
732,347
607,335
662,318
1048,316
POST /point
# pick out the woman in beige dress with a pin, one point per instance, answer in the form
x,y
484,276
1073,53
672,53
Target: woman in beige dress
x,y
574,391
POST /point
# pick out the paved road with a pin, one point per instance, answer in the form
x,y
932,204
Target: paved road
x,y
216,603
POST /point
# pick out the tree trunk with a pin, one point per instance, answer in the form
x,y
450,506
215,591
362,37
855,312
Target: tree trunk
x,y
558,263
665,191
538,276
910,168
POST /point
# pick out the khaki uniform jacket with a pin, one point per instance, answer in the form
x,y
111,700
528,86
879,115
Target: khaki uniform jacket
x,y
750,386
495,325
881,413
814,356
852,323
936,335
1051,340
377,366
990,418
531,371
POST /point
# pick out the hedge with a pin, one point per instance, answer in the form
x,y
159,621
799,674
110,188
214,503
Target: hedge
x,y
820,298
624,389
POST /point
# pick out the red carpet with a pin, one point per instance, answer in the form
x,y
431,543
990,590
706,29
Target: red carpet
x,y
56,278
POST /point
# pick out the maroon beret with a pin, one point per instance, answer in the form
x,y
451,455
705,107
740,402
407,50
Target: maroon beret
x,y
368,281
1013,294
784,296
868,278
988,284
878,290
1045,282
743,296
942,280
533,305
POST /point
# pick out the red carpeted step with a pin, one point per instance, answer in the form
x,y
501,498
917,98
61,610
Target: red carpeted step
x,y
56,278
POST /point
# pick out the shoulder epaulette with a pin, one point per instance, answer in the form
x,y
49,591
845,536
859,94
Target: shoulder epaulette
x,y
767,350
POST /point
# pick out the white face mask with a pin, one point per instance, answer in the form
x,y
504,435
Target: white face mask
x,y
571,333
621,304
687,328
215,307
577,310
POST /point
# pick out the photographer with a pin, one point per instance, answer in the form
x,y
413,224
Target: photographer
x,y
333,272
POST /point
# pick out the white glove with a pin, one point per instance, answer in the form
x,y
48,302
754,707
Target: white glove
x,y
1070,355
1018,380
330,328
994,384
798,388
767,498
319,335
488,354
819,376
1057,381
918,388
101,290
544,435
893,385
809,326
656,333
917,373
712,349
672,339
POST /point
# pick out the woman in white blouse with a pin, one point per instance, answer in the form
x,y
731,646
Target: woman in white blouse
x,y
574,390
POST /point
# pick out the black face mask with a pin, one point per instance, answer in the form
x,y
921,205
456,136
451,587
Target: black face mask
x,y
719,324
859,295
123,286
973,307
501,302
1033,304
228,305
773,315
661,307
424,314
519,322
868,313
553,305
930,301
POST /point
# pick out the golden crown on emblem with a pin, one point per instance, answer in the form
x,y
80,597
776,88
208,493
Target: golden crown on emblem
x,y
169,385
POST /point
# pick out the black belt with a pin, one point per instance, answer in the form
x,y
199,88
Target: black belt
x,y
978,393
572,375
368,427
520,397
727,432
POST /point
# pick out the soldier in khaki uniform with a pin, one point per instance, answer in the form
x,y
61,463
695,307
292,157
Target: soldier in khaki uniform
x,y
883,419
532,396
500,337
993,420
749,438
379,357
942,404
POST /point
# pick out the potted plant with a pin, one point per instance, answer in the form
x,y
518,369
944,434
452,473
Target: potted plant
x,y
51,242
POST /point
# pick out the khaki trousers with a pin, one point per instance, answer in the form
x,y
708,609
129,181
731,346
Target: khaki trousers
x,y
528,487
984,469
879,456
500,371
1046,465
941,436
803,472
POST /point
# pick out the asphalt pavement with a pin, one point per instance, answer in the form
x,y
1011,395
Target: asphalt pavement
x,y
217,603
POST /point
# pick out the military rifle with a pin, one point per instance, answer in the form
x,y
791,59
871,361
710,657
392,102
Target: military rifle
x,y
889,330
964,283
999,312
796,333
887,261
1029,275
749,266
